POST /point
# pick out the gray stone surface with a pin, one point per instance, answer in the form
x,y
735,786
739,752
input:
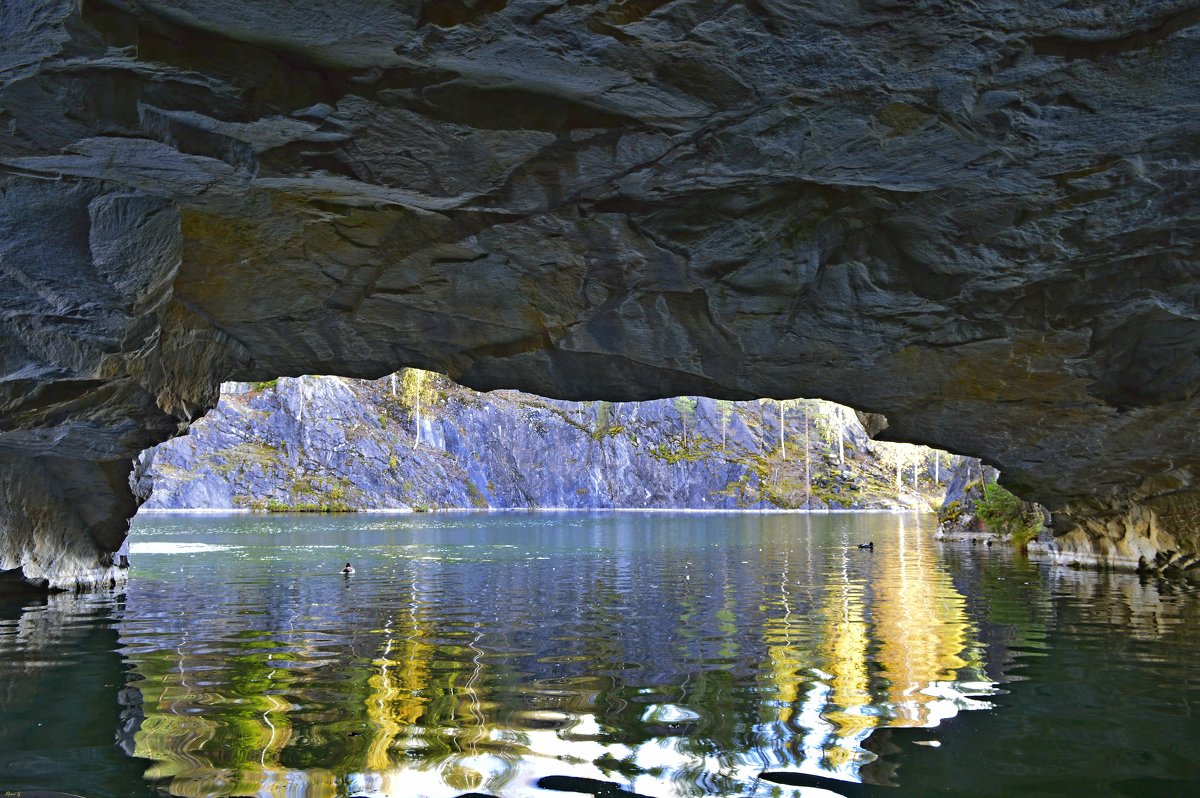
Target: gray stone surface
x,y
957,515
329,442
978,220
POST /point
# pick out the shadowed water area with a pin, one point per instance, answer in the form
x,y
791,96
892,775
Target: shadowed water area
x,y
658,654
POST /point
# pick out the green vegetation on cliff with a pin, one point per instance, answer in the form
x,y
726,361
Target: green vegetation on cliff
x,y
1004,513
418,440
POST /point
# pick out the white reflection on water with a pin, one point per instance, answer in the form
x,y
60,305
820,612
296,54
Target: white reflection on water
x,y
669,660
168,547
721,654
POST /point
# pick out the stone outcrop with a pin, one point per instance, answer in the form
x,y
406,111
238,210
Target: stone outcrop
x,y
978,220
976,508
1157,535
957,515
328,443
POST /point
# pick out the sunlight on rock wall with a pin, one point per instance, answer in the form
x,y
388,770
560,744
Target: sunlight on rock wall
x,y
327,443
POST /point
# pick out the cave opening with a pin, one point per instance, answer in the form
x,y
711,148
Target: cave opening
x,y
974,219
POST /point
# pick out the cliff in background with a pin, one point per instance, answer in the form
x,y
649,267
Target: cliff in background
x,y
339,444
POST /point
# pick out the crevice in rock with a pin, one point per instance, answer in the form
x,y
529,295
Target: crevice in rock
x,y
448,13
1099,47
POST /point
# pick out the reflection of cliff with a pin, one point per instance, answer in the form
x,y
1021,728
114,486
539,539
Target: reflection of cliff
x,y
671,670
201,743
844,656
925,638
1143,608
894,611
433,700
762,644
400,684
63,695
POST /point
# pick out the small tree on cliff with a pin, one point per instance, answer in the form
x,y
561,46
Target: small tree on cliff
x,y
807,462
725,408
782,428
894,456
1005,514
900,457
417,391
603,419
685,406
840,421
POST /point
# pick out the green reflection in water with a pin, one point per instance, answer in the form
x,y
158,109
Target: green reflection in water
x,y
672,655
679,655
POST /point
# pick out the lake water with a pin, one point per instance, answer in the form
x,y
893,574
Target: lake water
x,y
539,655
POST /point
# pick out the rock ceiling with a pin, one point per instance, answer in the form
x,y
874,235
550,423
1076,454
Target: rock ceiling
x,y
979,220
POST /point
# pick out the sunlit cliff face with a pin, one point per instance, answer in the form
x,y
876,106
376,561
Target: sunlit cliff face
x,y
976,220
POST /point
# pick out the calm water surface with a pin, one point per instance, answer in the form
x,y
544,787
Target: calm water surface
x,y
535,655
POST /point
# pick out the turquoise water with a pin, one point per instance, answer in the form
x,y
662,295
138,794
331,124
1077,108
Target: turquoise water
x,y
533,655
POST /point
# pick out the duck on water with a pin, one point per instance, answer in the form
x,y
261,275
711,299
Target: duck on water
x,y
349,569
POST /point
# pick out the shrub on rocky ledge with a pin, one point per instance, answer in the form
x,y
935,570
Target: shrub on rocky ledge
x,y
1004,513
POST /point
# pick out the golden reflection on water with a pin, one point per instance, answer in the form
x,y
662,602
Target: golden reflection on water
x,y
795,667
844,661
926,642
670,670
905,619
399,684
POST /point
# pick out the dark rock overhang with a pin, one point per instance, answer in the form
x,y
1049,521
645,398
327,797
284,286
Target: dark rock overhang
x,y
980,221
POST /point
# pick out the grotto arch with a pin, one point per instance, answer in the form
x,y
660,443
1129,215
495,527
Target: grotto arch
x,y
980,223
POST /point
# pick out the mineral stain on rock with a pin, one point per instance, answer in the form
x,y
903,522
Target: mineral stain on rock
x,y
327,444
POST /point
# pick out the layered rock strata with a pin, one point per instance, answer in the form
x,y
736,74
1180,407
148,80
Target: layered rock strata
x,y
332,444
1156,535
979,220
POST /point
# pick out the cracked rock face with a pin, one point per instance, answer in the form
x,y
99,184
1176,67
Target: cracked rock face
x,y
979,220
